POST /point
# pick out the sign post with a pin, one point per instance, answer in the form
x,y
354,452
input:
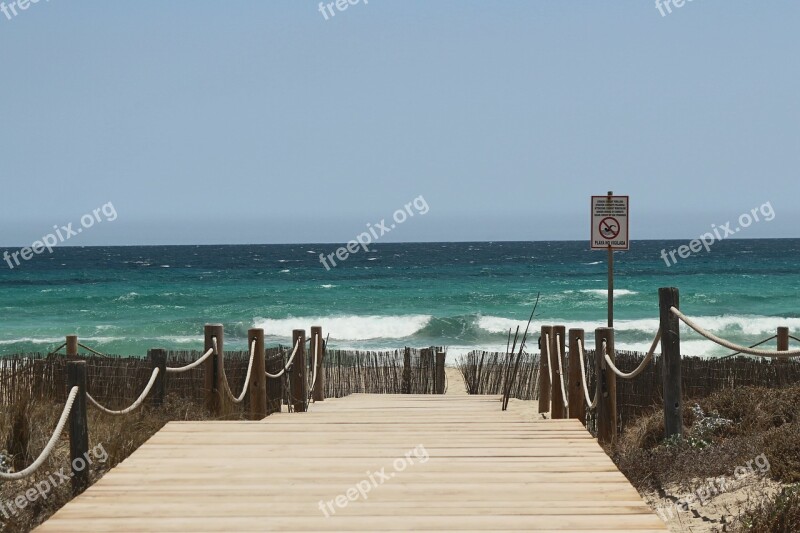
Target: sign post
x,y
610,232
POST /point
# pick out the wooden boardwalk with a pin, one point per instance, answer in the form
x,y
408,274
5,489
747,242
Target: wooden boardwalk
x,y
486,470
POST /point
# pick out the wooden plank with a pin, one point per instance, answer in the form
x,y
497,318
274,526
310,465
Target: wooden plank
x,y
475,469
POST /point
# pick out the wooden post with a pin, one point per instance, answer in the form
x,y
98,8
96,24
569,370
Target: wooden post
x,y
783,339
671,353
557,347
258,379
158,359
577,402
299,372
406,385
211,367
275,392
78,427
607,404
72,347
440,372
318,393
544,365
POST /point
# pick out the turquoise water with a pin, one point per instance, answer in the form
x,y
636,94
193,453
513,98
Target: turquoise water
x,y
462,295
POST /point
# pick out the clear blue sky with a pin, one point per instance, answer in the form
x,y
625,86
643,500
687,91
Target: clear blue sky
x,y
261,122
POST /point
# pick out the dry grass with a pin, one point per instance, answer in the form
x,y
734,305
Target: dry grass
x,y
779,514
729,429
28,426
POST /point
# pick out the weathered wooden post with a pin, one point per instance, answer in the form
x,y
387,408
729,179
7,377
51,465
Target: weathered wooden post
x,y
557,351
158,359
318,393
783,339
671,353
275,392
577,402
299,372
544,365
406,385
213,376
440,372
72,347
78,427
607,404
258,379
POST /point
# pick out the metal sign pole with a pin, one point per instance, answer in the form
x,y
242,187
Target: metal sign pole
x,y
610,277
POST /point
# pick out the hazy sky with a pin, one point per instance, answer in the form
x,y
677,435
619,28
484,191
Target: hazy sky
x,y
262,122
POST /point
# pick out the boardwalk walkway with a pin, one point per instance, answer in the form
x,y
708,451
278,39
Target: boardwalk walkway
x,y
474,468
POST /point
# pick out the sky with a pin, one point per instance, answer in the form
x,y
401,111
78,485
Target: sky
x,y
271,122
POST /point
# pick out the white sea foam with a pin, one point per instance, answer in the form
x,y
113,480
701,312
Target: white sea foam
x,y
604,292
738,328
32,340
348,328
127,297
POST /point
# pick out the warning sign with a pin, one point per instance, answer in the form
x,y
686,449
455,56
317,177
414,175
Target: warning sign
x,y
610,222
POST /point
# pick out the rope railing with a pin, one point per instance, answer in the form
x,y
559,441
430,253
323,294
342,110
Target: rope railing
x,y
240,398
92,350
642,366
314,376
561,371
190,366
734,354
549,370
288,363
63,345
135,405
51,444
731,346
591,404
794,338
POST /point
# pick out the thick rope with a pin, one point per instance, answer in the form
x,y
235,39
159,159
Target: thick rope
x,y
753,346
135,404
14,476
561,371
57,349
288,363
722,342
191,365
93,351
314,378
793,338
642,366
549,370
240,398
590,404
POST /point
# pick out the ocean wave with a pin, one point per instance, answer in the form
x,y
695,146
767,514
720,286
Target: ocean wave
x,y
604,292
349,328
127,297
31,340
736,326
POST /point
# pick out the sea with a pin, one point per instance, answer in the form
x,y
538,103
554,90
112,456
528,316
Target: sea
x,y
465,295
